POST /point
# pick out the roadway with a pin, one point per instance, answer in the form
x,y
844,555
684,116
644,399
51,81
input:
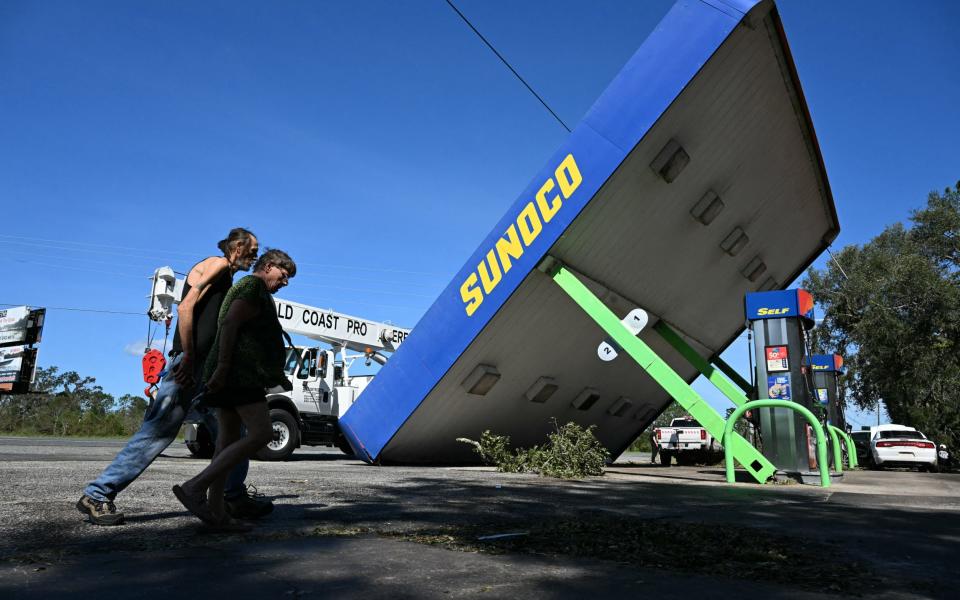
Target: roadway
x,y
348,529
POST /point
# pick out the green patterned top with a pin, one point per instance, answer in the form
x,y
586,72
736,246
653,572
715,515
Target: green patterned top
x,y
259,354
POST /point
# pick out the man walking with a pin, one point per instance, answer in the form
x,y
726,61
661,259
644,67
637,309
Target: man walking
x,y
206,285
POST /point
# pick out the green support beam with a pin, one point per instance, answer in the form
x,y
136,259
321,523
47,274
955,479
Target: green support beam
x,y
754,462
706,369
822,465
734,376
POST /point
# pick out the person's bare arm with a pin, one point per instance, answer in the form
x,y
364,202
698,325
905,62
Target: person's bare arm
x,y
240,312
203,275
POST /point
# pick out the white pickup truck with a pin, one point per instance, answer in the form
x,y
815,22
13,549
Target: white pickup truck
x,y
688,441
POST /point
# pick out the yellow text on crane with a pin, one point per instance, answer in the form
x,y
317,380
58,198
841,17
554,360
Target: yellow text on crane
x,y
527,227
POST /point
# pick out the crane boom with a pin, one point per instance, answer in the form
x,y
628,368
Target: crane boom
x,y
338,329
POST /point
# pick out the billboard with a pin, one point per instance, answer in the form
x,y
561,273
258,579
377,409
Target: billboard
x,y
20,325
18,366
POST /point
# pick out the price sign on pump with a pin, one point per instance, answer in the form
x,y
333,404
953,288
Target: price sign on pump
x,y
777,359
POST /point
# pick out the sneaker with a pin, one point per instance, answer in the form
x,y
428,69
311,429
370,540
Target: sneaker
x,y
248,506
99,512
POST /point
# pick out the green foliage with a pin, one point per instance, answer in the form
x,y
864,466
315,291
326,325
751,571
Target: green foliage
x,y
68,404
893,312
571,452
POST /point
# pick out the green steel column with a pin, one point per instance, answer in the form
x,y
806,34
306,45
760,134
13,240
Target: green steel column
x,y
754,462
706,369
822,464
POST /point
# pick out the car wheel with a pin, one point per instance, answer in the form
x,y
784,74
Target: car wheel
x,y
665,458
934,468
203,446
286,435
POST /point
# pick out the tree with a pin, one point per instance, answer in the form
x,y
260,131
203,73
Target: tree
x,y
892,310
69,404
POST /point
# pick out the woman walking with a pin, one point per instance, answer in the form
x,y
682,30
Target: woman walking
x,y
247,357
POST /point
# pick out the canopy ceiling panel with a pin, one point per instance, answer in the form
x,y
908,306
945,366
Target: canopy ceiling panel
x,y
694,179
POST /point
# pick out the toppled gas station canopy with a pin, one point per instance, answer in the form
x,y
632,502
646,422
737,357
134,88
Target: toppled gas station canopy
x,y
695,178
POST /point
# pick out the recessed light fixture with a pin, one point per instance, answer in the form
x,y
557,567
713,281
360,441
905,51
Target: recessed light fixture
x,y
541,390
620,407
707,208
481,380
768,284
734,242
671,161
754,269
585,399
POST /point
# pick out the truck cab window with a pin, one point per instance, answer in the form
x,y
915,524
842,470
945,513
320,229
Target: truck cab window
x,y
292,360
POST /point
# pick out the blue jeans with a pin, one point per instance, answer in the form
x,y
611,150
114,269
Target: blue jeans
x,y
161,423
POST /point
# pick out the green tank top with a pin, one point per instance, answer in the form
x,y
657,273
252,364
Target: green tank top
x,y
258,357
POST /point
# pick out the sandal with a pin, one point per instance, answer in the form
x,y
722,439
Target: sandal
x,y
196,505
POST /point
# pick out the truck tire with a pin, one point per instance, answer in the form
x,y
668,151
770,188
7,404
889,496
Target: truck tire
x,y
344,445
286,436
203,446
665,458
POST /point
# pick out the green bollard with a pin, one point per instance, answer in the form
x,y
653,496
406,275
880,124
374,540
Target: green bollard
x,y
822,464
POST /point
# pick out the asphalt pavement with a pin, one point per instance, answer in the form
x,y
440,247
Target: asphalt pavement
x,y
346,529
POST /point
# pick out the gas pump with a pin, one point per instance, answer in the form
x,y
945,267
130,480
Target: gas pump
x,y
826,370
779,321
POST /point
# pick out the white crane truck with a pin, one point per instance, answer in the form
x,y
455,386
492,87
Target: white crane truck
x,y
323,389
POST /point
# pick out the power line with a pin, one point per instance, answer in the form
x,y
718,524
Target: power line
x,y
836,262
113,263
59,245
61,241
504,61
365,291
93,310
62,248
69,268
361,268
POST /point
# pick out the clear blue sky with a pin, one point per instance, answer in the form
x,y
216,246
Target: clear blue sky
x,y
377,142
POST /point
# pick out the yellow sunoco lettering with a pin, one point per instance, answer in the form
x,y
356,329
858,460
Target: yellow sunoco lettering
x,y
530,225
568,174
509,247
489,280
548,210
470,294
